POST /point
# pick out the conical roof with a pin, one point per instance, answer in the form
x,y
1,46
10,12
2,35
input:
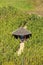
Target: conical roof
x,y
21,31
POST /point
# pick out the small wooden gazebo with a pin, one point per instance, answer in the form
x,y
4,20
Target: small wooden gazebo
x,y
21,33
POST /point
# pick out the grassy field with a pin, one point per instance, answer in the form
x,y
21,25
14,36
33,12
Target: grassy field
x,y
22,4
11,18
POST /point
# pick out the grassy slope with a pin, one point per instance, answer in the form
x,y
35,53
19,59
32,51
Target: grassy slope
x,y
22,4
9,20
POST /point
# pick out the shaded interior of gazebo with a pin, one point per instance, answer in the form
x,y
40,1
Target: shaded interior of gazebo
x,y
22,36
21,33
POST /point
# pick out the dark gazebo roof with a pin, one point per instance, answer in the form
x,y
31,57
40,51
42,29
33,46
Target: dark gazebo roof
x,y
21,31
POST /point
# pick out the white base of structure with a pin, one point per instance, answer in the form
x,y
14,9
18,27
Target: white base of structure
x,y
20,50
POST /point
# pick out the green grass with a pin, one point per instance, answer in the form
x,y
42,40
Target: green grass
x,y
20,4
8,63
11,19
